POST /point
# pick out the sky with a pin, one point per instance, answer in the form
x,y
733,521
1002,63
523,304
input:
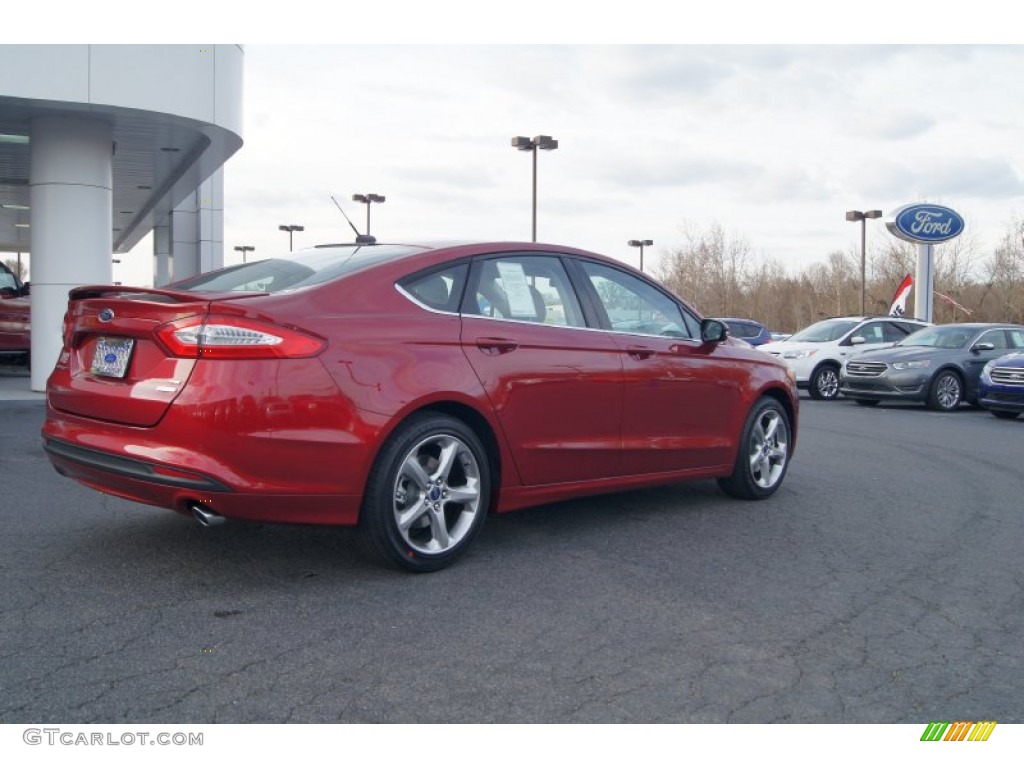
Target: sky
x,y
788,115
773,143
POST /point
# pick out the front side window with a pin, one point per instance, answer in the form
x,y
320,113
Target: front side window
x,y
634,306
876,333
996,338
533,289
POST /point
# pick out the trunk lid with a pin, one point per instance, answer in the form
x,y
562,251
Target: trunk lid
x,y
112,367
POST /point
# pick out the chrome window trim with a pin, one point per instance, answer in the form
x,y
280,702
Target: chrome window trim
x,y
535,324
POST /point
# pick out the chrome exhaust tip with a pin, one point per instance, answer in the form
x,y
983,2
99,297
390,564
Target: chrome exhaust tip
x,y
206,517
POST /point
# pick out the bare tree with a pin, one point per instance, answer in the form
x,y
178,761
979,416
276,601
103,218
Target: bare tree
x,y
721,276
19,268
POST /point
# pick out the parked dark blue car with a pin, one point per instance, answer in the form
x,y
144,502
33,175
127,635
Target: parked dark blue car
x,y
749,331
1001,387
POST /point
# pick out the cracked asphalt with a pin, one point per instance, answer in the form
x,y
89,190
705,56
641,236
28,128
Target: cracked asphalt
x,y
881,584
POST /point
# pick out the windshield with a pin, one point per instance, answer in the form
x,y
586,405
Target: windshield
x,y
294,270
940,337
826,330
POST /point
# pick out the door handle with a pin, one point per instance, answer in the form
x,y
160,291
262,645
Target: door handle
x,y
495,346
640,353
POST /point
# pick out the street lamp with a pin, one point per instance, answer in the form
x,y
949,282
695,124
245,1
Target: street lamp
x,y
640,244
862,217
524,144
245,249
369,198
290,229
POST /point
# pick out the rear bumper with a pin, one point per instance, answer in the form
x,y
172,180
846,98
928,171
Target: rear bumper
x,y
171,488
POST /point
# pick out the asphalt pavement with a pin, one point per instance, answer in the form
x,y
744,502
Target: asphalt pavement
x,y
881,584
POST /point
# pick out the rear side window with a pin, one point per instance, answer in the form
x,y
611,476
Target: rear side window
x,y
439,289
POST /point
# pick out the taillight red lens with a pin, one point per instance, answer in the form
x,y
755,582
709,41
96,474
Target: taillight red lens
x,y
232,338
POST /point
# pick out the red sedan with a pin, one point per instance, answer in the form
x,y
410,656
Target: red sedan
x,y
15,326
410,390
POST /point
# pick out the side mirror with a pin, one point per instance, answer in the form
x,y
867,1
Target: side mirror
x,y
24,289
858,340
712,331
983,346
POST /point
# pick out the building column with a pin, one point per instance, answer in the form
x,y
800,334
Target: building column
x,y
184,227
70,186
163,264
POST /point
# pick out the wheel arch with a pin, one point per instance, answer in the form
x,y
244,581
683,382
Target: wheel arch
x,y
949,368
473,419
780,394
828,362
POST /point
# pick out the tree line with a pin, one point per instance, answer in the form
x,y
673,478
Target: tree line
x,y
721,276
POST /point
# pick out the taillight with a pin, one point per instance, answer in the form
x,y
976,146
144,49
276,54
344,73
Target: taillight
x,y
223,337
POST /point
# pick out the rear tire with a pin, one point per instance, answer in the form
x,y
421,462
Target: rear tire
x,y
428,494
824,384
763,455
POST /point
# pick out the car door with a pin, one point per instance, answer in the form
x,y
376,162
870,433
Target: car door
x,y
555,384
680,398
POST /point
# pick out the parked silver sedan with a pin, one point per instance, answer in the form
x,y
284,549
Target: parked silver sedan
x,y
939,366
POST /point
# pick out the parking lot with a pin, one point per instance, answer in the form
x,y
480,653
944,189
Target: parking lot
x,y
881,584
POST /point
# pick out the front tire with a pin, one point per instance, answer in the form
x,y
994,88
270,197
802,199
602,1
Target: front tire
x,y
428,494
825,383
763,455
946,392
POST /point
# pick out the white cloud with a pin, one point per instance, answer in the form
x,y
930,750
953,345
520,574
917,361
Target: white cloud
x,y
772,142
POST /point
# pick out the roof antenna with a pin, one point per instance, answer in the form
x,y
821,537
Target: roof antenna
x,y
360,239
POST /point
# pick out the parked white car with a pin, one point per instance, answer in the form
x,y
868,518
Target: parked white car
x,y
816,353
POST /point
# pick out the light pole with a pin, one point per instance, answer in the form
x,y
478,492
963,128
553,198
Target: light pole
x,y
524,144
368,199
290,229
640,244
862,217
245,249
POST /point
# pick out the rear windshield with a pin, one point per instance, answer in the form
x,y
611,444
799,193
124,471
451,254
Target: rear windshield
x,y
295,270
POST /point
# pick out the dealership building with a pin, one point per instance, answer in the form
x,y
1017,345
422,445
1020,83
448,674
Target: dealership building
x,y
101,145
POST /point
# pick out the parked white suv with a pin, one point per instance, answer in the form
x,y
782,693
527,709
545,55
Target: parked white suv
x,y
816,353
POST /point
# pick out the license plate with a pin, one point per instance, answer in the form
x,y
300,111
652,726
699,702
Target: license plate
x,y
111,357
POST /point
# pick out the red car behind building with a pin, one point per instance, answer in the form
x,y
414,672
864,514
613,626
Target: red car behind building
x,y
15,328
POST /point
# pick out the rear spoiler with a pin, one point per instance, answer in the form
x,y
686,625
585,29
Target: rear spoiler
x,y
154,294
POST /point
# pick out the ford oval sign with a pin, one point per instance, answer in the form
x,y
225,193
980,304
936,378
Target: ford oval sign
x,y
923,223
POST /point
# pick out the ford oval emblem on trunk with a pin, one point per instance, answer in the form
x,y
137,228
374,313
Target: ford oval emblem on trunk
x,y
924,223
106,315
